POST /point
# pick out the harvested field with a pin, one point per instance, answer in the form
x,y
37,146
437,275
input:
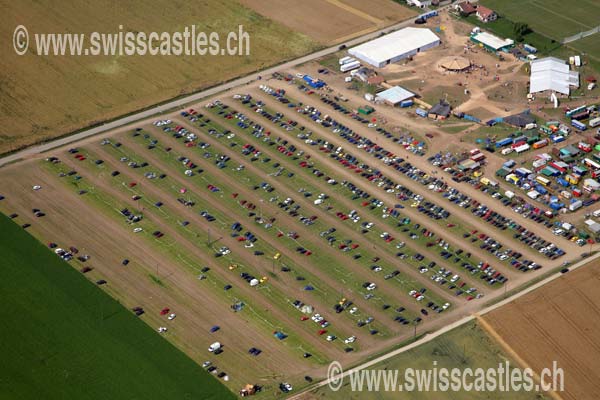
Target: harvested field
x,y
45,97
331,21
559,322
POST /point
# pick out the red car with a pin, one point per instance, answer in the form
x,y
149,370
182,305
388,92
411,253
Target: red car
x,y
164,311
322,331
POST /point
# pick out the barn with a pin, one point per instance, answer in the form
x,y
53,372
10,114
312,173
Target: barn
x,y
395,46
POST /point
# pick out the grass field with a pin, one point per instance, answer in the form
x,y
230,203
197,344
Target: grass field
x,y
65,338
465,347
45,97
553,18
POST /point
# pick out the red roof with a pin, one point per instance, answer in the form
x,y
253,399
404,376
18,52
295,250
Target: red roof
x,y
484,12
466,7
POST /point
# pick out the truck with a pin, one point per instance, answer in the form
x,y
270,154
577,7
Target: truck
x,y
421,113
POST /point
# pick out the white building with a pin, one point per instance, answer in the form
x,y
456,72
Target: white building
x,y
395,46
394,95
551,73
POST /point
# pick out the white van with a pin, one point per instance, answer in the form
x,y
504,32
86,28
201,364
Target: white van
x,y
215,346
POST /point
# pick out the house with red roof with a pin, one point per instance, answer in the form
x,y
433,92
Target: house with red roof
x,y
486,14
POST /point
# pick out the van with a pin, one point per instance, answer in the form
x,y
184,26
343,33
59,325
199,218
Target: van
x,y
214,347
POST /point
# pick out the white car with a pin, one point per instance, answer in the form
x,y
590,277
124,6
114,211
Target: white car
x,y
349,340
353,310
224,250
331,338
172,317
206,364
162,329
445,306
137,230
372,286
37,187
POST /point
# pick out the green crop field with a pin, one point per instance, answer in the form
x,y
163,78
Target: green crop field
x,y
91,346
465,347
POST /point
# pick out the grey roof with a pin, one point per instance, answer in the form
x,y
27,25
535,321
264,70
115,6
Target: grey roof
x,y
521,119
395,95
441,108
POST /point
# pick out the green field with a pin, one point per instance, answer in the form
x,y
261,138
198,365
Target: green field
x,y
465,347
63,338
553,18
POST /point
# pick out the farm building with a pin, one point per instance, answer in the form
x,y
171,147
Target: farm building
x,y
394,95
395,47
455,63
375,80
440,110
465,8
552,73
486,14
491,42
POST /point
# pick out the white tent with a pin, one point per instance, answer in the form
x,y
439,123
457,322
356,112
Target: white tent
x,y
395,46
551,73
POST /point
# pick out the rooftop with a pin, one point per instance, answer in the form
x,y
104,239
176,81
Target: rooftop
x,y
492,41
395,95
394,44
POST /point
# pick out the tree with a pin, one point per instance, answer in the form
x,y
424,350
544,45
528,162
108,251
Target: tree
x,y
520,29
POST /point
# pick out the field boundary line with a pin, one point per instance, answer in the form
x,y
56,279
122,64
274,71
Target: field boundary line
x,y
356,11
491,332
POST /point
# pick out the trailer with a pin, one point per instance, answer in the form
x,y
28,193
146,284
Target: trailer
x,y
349,66
346,60
581,115
503,142
406,103
529,48
540,143
522,148
578,125
575,110
594,122
575,205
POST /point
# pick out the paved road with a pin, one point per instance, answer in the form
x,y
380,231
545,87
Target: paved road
x,y
195,97
460,322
